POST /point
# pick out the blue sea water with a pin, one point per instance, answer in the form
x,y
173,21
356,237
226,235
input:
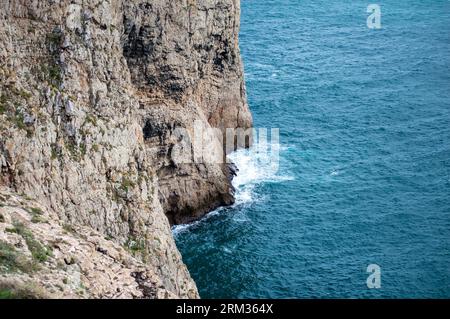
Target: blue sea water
x,y
364,177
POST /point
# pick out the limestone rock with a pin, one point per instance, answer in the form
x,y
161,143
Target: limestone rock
x,y
92,95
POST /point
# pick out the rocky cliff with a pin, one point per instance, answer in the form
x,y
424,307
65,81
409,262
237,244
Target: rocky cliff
x,y
92,94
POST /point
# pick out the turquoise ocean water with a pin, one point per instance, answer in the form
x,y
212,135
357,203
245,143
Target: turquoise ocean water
x,y
364,177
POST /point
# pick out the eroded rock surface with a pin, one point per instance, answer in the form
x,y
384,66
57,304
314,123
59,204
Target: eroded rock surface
x,y
91,96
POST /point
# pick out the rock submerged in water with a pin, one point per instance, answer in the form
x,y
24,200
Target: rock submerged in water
x,y
233,170
90,186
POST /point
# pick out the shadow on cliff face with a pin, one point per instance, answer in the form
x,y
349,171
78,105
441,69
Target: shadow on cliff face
x,y
185,63
194,173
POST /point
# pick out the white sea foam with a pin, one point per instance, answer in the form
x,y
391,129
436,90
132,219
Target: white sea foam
x,y
178,229
257,165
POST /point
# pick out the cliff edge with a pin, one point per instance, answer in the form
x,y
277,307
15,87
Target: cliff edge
x,y
92,97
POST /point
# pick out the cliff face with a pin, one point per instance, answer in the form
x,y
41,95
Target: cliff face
x,y
92,94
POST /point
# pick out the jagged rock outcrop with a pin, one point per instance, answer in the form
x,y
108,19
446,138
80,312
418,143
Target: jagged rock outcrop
x,y
91,96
